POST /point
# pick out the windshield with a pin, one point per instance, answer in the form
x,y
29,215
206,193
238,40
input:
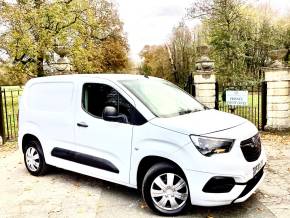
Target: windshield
x,y
163,98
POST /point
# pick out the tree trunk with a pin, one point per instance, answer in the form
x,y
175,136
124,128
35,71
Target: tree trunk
x,y
173,66
287,57
40,71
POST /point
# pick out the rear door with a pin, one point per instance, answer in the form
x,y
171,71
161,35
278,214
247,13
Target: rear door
x,y
104,146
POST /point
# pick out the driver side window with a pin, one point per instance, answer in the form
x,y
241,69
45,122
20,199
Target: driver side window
x,y
95,97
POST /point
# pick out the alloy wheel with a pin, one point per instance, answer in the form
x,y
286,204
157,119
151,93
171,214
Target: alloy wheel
x,y
32,159
169,191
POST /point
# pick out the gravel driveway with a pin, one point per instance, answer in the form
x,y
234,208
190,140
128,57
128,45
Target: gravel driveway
x,y
65,194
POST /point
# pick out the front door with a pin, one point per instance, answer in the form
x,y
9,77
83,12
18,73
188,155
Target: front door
x,y
105,146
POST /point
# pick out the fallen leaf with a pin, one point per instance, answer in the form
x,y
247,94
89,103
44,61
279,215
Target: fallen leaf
x,y
143,205
55,210
80,210
27,189
77,185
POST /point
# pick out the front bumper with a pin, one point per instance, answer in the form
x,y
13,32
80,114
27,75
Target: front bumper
x,y
251,186
240,192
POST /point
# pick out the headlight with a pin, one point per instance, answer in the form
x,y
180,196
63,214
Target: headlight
x,y
209,146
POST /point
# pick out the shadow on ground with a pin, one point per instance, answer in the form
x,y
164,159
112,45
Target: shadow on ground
x,y
120,200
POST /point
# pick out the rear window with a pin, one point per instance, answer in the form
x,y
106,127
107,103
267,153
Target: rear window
x,y
53,97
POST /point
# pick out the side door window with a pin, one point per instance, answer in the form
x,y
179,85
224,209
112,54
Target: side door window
x,y
95,97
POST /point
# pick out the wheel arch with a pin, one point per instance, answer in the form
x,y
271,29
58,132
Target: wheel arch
x,y
147,162
26,138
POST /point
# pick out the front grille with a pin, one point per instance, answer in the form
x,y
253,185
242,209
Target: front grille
x,y
252,183
251,148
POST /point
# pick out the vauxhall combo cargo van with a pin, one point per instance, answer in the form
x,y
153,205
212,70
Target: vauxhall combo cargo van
x,y
142,132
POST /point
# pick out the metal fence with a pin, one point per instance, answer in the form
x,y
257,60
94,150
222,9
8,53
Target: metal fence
x,y
255,110
9,112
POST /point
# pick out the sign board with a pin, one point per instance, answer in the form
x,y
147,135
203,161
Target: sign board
x,y
237,98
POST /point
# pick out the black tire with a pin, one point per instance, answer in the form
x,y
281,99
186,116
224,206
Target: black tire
x,y
160,170
35,146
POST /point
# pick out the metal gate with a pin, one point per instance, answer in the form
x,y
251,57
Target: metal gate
x,y
9,112
189,86
254,110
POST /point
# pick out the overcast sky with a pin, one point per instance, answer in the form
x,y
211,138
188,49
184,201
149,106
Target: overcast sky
x,y
151,21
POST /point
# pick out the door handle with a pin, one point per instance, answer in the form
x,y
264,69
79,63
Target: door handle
x,y
82,124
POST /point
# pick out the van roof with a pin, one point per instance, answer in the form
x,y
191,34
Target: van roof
x,y
110,76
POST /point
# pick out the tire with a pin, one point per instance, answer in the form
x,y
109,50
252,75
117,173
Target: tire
x,y
171,190
34,159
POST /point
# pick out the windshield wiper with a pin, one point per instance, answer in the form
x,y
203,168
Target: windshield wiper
x,y
182,112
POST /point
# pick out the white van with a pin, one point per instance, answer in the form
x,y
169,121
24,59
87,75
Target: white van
x,y
141,132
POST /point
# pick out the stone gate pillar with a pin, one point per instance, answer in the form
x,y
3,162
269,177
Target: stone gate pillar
x,y
205,79
205,83
278,96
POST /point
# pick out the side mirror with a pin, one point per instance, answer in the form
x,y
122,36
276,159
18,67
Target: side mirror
x,y
110,113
